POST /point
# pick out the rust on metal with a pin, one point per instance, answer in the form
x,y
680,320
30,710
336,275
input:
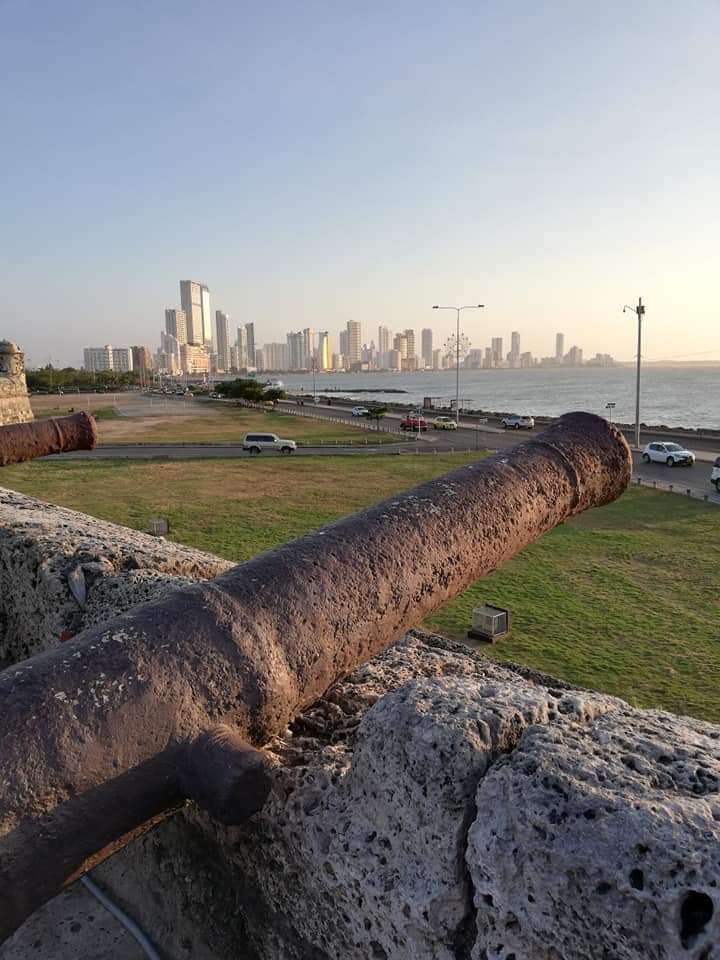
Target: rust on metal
x,y
95,734
40,438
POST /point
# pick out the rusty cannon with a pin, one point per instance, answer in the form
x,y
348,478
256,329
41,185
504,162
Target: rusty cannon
x,y
40,438
172,700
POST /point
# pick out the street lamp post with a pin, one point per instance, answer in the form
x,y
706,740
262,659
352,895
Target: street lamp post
x,y
473,306
640,311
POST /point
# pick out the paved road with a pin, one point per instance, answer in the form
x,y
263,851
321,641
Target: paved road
x,y
706,450
485,436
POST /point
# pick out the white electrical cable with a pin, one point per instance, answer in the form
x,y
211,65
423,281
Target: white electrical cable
x,y
132,928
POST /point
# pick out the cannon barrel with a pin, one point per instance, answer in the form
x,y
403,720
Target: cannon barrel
x,y
103,736
39,438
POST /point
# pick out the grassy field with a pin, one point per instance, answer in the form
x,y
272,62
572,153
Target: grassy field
x,y
133,418
623,599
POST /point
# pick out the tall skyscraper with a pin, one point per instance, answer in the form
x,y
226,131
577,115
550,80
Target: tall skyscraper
x,y
410,335
515,343
250,339
222,326
497,351
308,347
559,346
427,347
383,343
323,350
242,350
176,325
296,351
354,335
195,301
343,343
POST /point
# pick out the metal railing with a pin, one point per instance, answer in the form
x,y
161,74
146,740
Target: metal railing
x,y
677,488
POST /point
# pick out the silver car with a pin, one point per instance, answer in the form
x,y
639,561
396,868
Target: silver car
x,y
257,442
518,421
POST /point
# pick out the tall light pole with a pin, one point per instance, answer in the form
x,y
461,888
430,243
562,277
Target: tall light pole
x,y
640,311
473,306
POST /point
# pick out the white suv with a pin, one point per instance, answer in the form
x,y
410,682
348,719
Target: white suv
x,y
360,412
517,421
715,475
669,453
256,442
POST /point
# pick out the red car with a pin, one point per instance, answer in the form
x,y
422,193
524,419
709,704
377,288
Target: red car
x,y
413,423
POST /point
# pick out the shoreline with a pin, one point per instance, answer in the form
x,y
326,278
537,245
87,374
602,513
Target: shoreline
x,y
476,414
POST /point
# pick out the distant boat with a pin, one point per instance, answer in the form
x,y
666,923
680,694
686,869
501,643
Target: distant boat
x,y
278,384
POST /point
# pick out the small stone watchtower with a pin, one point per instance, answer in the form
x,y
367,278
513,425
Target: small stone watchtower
x,y
14,400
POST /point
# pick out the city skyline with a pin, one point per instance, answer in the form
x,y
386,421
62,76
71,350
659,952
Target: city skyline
x,y
199,348
525,158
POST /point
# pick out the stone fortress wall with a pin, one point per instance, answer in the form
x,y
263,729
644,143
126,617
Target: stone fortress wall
x,y
14,401
432,805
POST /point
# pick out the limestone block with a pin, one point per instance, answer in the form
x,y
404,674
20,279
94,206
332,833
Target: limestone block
x,y
603,841
62,571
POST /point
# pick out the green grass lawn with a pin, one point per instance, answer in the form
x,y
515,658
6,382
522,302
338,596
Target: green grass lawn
x,y
623,599
223,424
100,413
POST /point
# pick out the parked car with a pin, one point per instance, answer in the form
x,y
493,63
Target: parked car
x,y
360,412
715,475
517,421
413,423
668,453
444,423
257,442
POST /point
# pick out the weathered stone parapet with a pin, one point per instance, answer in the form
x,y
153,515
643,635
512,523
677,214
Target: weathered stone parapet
x,y
431,805
62,571
14,400
438,806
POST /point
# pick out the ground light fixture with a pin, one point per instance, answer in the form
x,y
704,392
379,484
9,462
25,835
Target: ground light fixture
x,y
472,306
489,623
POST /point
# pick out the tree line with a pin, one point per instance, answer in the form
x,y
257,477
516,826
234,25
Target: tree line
x,y
69,379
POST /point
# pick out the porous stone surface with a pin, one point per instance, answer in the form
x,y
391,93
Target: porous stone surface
x,y
61,571
433,804
604,841
14,400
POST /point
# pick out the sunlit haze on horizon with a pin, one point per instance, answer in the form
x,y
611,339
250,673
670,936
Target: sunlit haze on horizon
x,y
316,163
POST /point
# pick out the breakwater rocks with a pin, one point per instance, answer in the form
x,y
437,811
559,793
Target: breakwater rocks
x,y
431,805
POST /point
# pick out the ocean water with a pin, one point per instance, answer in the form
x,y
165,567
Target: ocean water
x,y
671,396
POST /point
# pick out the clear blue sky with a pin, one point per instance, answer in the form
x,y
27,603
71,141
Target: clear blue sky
x,y
318,162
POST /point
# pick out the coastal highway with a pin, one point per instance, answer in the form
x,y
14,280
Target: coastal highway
x,y
696,478
703,447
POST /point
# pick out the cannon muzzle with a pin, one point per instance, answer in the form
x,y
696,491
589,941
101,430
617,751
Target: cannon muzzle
x,y
40,438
